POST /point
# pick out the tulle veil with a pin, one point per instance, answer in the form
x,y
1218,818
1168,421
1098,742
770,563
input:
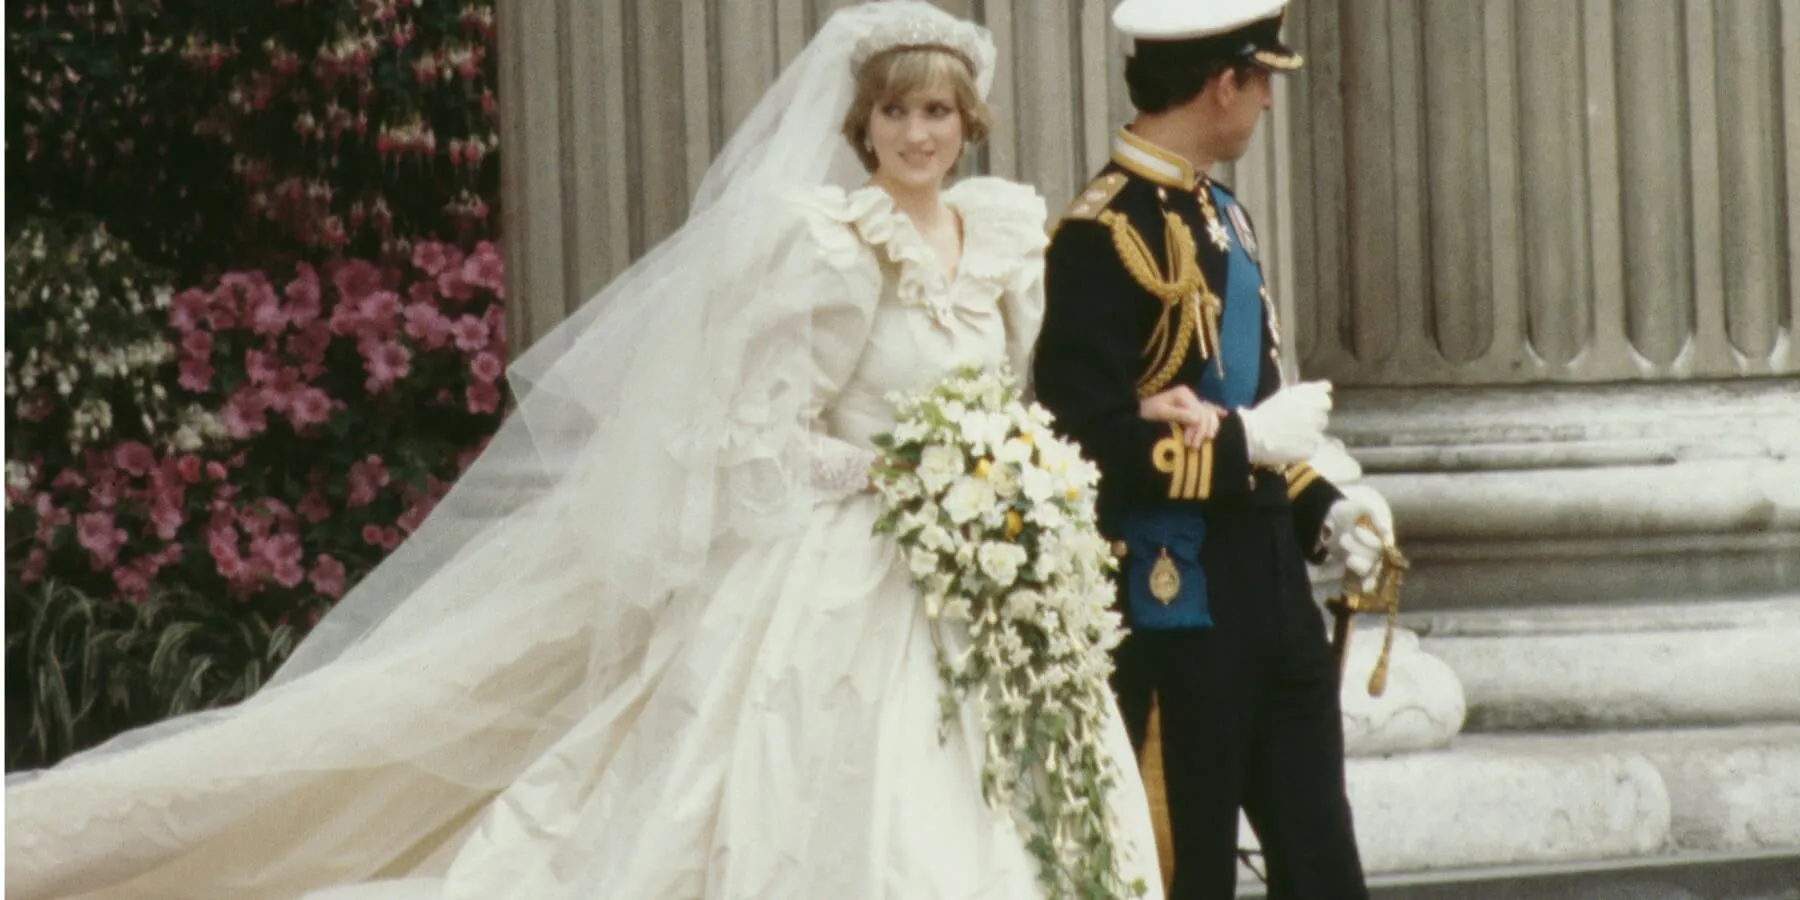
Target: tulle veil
x,y
663,425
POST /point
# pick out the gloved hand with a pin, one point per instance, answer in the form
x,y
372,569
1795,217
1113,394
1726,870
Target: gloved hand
x,y
1288,426
1359,546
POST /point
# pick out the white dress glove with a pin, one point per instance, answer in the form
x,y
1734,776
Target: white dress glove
x,y
1359,546
839,468
1289,426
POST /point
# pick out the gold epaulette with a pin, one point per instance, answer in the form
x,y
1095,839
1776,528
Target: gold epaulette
x,y
1093,199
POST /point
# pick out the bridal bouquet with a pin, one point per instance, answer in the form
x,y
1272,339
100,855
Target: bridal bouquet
x,y
995,519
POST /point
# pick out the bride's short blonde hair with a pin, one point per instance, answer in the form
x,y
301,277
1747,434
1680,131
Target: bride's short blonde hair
x,y
896,73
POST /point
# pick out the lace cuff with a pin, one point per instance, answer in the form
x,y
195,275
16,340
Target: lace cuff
x,y
839,468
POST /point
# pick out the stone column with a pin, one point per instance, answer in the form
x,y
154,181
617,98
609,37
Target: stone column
x,y
1550,191
1547,251
1504,197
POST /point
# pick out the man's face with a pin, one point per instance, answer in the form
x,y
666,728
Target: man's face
x,y
1239,96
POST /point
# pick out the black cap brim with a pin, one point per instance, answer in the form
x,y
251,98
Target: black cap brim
x,y
1258,43
1263,46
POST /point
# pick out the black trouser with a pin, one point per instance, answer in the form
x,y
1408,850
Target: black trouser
x,y
1250,718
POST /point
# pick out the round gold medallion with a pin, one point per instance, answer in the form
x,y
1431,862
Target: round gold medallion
x,y
1165,581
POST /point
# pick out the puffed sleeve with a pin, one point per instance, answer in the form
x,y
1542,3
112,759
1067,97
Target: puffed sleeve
x,y
843,286
1004,243
1023,308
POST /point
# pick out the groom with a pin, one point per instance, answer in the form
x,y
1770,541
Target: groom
x,y
1160,355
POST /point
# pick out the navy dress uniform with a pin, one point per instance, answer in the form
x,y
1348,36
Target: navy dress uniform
x,y
1154,281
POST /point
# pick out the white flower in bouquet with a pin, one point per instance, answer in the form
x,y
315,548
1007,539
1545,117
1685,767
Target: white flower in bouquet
x,y
964,555
1001,562
1046,516
1022,604
914,522
995,518
1039,486
1015,451
958,610
1063,462
911,432
937,539
1005,479
982,430
910,490
923,563
968,498
939,583
938,466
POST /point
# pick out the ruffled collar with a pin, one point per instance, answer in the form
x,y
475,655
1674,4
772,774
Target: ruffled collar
x,y
1003,233
923,280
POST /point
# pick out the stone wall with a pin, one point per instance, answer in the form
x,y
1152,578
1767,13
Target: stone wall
x,y
1528,191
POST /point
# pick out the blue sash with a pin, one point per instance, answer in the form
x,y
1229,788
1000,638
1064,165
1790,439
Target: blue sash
x,y
1165,588
1240,327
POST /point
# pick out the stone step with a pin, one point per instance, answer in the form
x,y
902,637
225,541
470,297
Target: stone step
x,y
1578,495
1684,876
1733,789
1622,666
1530,800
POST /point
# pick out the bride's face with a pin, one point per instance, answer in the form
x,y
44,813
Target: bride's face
x,y
917,138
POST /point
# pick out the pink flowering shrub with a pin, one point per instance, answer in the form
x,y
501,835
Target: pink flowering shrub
x,y
342,413
219,428
324,417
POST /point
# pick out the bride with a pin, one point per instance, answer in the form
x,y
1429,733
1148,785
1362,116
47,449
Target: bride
x,y
648,648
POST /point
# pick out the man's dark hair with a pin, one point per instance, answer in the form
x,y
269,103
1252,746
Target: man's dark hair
x,y
1162,75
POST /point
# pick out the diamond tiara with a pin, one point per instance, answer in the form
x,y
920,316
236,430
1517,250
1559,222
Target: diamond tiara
x,y
936,32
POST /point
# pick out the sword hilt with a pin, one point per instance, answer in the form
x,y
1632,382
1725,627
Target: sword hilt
x,y
1385,598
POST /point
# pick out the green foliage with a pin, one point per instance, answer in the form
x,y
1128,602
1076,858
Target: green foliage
x,y
81,669
254,133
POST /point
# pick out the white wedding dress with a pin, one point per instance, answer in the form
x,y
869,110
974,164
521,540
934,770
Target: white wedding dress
x,y
773,732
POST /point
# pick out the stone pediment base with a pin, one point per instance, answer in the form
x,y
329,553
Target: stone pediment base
x,y
1586,495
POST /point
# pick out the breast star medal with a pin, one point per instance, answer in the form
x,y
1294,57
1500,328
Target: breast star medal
x,y
1215,232
1215,229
